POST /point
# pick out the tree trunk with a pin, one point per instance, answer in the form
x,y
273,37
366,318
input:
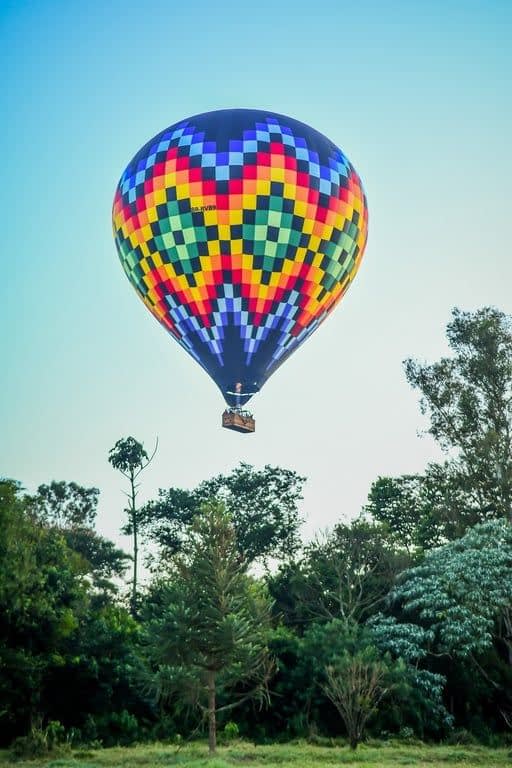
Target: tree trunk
x,y
135,549
353,741
212,723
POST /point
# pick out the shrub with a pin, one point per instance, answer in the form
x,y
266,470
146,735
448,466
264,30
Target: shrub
x,y
231,731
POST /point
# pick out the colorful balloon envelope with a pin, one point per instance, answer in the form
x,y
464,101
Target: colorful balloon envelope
x,y
240,230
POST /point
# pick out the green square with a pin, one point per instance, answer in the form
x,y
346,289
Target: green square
x,y
168,240
261,217
274,218
275,203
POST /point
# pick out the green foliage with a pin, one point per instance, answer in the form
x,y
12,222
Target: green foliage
x,y
66,505
423,511
356,683
462,589
395,501
42,599
263,505
417,704
208,632
113,728
34,744
346,575
71,509
64,650
299,754
230,731
468,399
128,456
209,614
103,560
38,742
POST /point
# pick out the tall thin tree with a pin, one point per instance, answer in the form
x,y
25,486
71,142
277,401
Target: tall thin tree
x,y
129,457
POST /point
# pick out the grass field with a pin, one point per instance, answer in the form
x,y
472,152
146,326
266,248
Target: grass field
x,y
294,755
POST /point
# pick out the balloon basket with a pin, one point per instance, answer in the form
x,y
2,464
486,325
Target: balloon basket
x,y
238,420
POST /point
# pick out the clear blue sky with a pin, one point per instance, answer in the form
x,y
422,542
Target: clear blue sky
x,y
418,95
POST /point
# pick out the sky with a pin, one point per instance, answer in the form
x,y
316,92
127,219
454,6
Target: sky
x,y
418,96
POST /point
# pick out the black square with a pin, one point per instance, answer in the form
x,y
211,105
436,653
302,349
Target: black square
x,y
273,234
257,261
151,245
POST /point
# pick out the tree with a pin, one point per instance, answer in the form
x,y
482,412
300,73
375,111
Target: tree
x,y
462,594
207,638
67,652
468,399
343,575
356,684
421,511
418,700
71,509
66,505
42,599
350,670
129,457
103,560
263,505
462,591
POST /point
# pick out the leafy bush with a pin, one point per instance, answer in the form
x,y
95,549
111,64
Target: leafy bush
x,y
39,741
117,728
231,731
34,744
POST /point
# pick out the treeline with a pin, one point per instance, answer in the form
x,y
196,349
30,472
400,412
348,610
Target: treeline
x,y
398,623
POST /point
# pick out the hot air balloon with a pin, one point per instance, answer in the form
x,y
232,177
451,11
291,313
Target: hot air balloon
x,y
240,230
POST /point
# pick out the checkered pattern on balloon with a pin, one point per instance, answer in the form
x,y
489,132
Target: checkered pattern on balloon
x,y
240,239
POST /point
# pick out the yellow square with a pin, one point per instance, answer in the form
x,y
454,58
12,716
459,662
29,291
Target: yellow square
x,y
263,187
213,247
249,202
